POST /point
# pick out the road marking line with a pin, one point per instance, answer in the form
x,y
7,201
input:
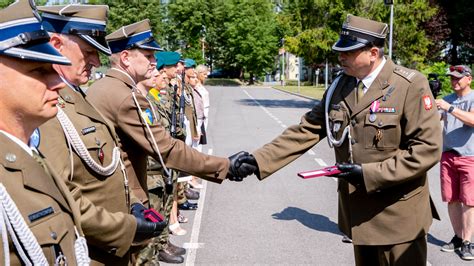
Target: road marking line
x,y
320,162
191,254
189,245
266,110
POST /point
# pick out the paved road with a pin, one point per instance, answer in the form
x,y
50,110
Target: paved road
x,y
282,220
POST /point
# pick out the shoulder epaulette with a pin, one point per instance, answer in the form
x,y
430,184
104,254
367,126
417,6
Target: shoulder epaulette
x,y
406,73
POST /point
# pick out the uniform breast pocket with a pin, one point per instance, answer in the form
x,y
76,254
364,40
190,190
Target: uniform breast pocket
x,y
50,232
382,132
336,122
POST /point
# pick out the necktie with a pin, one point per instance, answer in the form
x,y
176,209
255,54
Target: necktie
x,y
360,90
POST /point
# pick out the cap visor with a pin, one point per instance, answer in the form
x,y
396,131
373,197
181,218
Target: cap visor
x,y
98,43
42,52
346,45
455,74
151,45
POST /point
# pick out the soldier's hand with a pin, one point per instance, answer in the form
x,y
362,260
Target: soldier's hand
x,y
145,229
242,164
352,173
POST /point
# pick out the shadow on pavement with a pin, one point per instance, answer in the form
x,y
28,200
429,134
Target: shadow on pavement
x,y
311,220
435,241
279,103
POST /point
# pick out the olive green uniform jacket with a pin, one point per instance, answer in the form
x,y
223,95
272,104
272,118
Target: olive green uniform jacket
x,y
112,95
394,205
43,200
104,205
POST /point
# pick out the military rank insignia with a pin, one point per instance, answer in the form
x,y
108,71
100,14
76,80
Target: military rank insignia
x,y
427,102
147,115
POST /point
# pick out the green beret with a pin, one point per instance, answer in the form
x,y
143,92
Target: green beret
x,y
166,59
188,62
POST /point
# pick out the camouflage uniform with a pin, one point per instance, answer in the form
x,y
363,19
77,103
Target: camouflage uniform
x,y
160,199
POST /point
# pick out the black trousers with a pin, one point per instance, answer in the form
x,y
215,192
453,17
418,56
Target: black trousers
x,y
409,253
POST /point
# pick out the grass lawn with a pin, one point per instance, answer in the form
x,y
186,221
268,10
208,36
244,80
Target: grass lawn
x,y
310,91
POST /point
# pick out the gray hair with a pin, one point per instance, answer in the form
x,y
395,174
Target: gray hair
x,y
202,69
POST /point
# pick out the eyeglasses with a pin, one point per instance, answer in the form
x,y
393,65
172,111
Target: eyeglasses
x,y
459,69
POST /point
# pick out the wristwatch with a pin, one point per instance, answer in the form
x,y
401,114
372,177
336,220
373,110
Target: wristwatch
x,y
451,109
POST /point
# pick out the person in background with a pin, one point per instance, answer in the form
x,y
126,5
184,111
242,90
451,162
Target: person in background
x,y
202,73
457,160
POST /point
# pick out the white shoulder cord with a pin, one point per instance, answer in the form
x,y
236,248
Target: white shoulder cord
x,y
155,146
347,130
26,241
81,150
81,250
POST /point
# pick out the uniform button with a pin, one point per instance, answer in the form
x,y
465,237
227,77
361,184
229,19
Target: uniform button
x,y
378,191
54,235
112,251
10,157
380,123
67,98
353,122
353,141
216,174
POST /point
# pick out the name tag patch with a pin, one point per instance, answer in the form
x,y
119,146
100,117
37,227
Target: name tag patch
x,y
88,130
40,214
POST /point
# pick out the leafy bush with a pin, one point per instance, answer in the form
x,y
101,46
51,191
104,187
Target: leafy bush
x,y
293,82
440,68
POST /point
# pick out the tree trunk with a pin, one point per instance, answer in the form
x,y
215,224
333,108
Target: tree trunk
x,y
251,79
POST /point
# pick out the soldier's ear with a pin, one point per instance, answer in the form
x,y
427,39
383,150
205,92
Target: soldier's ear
x,y
125,57
374,53
57,41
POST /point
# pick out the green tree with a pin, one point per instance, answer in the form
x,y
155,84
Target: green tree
x,y
316,25
250,36
237,35
5,3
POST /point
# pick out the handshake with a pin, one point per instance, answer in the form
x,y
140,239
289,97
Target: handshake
x,y
242,164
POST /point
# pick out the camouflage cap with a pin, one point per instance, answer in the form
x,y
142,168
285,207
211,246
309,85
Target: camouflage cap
x,y
358,32
85,21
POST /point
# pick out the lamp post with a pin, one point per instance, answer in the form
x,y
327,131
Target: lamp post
x,y
390,2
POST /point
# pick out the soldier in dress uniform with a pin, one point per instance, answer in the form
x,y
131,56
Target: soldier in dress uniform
x,y
132,61
39,220
81,145
382,121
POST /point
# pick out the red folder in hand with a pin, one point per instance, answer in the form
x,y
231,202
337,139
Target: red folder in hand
x,y
332,170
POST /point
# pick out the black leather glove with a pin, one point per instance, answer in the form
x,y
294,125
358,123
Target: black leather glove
x,y
242,164
352,173
145,229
